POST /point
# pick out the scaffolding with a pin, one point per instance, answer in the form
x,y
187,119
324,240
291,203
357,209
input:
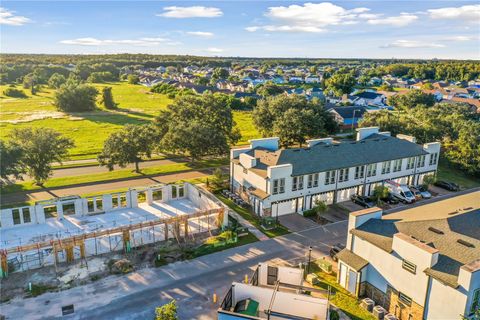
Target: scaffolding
x,y
71,248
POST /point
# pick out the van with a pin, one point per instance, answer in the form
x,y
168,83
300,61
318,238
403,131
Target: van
x,y
400,191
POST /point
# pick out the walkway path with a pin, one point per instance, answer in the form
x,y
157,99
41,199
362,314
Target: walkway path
x,y
192,283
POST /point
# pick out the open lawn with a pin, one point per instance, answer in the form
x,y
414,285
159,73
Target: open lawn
x,y
89,130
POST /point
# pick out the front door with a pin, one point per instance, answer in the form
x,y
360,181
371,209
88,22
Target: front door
x,y
343,275
352,282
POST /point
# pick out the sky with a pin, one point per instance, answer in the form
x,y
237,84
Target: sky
x,y
336,29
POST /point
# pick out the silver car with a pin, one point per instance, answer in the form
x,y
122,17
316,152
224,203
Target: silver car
x,y
423,191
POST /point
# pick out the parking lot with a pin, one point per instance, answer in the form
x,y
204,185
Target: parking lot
x,y
435,192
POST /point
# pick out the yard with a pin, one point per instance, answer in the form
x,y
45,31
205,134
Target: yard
x,y
247,215
136,104
340,297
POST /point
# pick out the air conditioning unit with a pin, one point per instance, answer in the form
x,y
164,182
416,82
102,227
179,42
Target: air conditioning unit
x,y
390,316
367,304
379,312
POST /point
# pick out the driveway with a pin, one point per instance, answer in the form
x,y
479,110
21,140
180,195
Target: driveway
x,y
296,222
192,283
350,206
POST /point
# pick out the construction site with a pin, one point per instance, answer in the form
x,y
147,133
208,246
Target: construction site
x,y
72,229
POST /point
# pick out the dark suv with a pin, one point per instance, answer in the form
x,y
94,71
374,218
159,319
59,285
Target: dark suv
x,y
364,201
336,249
450,186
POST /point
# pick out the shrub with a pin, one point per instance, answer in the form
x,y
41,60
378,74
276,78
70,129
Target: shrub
x,y
14,93
334,315
310,213
133,79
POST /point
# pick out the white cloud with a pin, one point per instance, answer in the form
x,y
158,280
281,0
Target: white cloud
x,y
412,44
191,12
398,21
142,42
460,38
286,28
215,50
9,18
465,13
201,34
317,17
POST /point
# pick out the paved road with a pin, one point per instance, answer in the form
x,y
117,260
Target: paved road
x,y
36,195
78,171
192,283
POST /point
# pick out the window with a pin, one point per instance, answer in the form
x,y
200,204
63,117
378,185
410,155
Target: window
x,y
386,167
50,211
90,206
157,195
16,216
26,215
174,192
68,208
397,165
279,186
181,191
404,299
115,201
475,302
410,163
123,201
359,172
98,202
312,180
372,170
330,177
343,175
410,267
421,161
297,183
433,158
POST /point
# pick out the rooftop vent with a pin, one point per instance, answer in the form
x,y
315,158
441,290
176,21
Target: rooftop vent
x,y
469,208
465,243
452,213
435,230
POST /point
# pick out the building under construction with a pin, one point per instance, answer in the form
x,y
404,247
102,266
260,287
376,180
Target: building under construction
x,y
72,228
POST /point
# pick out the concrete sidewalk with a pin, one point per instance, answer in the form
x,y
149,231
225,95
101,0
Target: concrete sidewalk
x,y
192,283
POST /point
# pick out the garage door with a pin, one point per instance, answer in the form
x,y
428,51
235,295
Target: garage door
x,y
344,194
326,197
283,208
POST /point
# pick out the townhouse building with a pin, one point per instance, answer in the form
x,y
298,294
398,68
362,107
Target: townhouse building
x,y
279,181
419,263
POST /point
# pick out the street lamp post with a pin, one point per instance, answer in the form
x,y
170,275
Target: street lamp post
x,y
353,120
309,258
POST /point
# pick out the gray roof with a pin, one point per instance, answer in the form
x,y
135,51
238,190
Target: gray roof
x,y
323,157
352,259
442,234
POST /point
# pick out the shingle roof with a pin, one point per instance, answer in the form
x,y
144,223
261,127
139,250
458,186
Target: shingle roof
x,y
323,157
352,259
442,234
347,112
368,95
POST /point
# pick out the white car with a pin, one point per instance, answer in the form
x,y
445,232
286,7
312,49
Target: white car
x,y
424,192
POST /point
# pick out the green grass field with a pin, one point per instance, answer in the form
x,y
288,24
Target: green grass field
x,y
89,130
448,173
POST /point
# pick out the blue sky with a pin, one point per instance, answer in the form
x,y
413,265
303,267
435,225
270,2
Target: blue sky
x,y
337,29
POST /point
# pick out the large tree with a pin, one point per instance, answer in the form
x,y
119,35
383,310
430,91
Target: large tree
x,y
340,83
167,311
75,97
107,98
412,99
128,145
292,118
41,147
10,160
56,80
197,125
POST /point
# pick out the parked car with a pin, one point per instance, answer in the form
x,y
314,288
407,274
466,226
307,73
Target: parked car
x,y
450,186
390,199
423,191
364,201
336,249
416,192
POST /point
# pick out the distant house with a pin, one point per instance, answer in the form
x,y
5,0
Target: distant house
x,y
312,79
315,93
369,98
348,117
375,81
